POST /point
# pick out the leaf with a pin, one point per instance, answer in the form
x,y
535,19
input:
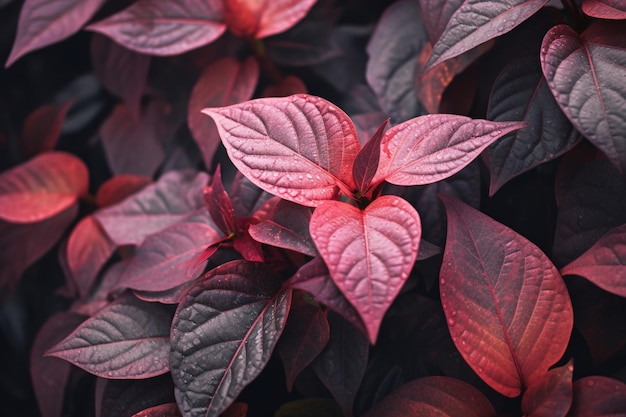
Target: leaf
x,y
474,23
173,198
434,396
259,19
551,396
42,128
366,161
433,147
44,22
119,187
42,187
393,52
287,226
604,9
163,410
521,93
125,397
604,263
246,197
507,308
436,15
310,407
219,205
223,334
222,83
164,28
585,76
300,148
369,253
128,339
597,396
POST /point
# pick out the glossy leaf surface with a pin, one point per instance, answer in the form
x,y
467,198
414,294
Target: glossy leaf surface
x,y
597,396
551,396
605,9
507,307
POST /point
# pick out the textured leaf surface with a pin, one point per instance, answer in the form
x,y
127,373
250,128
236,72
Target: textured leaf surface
x,y
506,305
264,18
42,128
223,334
44,22
598,396
585,75
300,148
433,147
434,396
129,339
164,28
42,187
369,253
605,9
476,22
436,15
551,396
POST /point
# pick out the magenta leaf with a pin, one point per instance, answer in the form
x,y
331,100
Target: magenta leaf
x,y
42,128
287,226
552,395
433,147
369,252
128,339
172,199
44,22
300,148
219,205
604,263
162,410
117,188
474,23
521,93
585,76
164,28
434,396
597,396
366,161
42,187
222,83
224,331
507,307
605,9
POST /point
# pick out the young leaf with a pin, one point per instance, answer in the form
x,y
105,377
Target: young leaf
x,y
434,396
605,9
44,22
42,128
507,308
366,161
597,396
162,410
300,148
42,187
223,334
474,23
219,205
585,76
552,395
129,339
430,148
369,253
164,28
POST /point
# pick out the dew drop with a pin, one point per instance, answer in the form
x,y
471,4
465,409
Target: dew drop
x,y
495,133
196,341
256,174
500,28
451,322
331,108
590,383
294,193
309,176
442,281
275,174
238,155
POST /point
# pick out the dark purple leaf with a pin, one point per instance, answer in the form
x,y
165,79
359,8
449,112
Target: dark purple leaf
x,y
223,334
605,9
393,52
129,339
367,124
585,75
116,189
507,308
42,128
286,87
246,197
551,396
125,397
44,22
366,161
164,28
598,396
521,93
219,205
163,410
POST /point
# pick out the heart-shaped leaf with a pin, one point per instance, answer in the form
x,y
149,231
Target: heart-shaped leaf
x,y
433,147
507,307
223,334
552,395
164,27
369,252
598,396
42,187
128,339
605,9
300,148
585,74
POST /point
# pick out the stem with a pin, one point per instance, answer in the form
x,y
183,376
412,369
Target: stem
x,y
267,65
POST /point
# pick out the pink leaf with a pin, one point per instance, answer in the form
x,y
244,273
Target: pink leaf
x,y
430,148
300,148
507,308
219,205
222,83
163,410
598,396
605,9
42,187
369,253
366,161
42,128
552,395
164,27
116,189
44,22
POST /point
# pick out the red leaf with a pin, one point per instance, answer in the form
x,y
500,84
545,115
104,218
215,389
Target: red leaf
x,y
260,19
434,396
430,148
300,148
222,83
164,27
604,263
366,161
44,22
552,395
605,9
116,189
250,249
42,128
507,308
128,339
598,396
369,253
219,205
163,410
42,187
236,410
